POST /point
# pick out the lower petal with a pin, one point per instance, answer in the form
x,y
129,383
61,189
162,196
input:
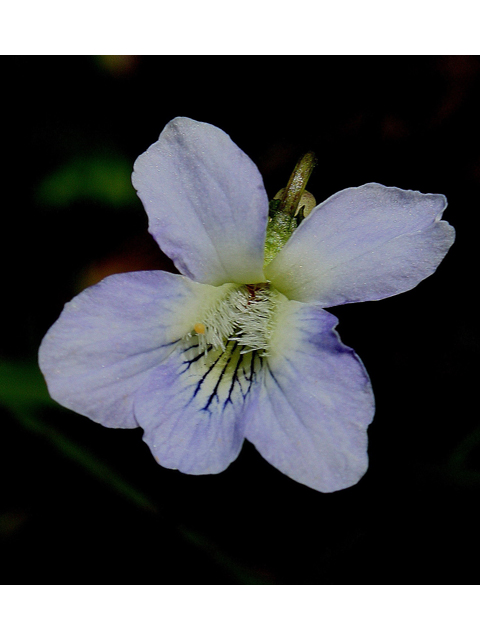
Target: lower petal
x,y
310,414
191,408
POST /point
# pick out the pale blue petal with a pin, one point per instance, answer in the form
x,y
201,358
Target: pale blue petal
x,y
109,338
206,203
192,407
313,404
363,243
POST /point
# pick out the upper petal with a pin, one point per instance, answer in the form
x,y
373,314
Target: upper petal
x,y
363,243
206,203
109,338
314,402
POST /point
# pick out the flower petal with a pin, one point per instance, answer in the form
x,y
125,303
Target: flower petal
x,y
108,339
191,408
206,203
314,404
363,243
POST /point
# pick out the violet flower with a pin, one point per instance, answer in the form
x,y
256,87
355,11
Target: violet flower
x,y
237,347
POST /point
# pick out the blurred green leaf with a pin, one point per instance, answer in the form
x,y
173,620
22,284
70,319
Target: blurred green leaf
x,y
102,179
463,463
22,383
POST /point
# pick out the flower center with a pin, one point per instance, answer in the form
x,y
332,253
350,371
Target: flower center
x,y
243,316
223,353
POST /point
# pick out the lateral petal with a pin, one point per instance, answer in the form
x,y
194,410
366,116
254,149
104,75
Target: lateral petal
x,y
110,337
314,402
363,243
206,203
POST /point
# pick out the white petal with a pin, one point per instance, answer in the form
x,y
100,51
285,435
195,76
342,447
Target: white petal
x,y
206,203
363,243
109,339
192,407
314,402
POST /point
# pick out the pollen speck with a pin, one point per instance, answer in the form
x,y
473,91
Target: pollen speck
x,y
199,327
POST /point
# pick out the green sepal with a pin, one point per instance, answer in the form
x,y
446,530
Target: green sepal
x,y
279,229
282,212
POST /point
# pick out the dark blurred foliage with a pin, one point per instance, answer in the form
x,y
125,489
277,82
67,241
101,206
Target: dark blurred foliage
x,y
81,503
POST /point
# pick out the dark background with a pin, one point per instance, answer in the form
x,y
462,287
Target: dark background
x,y
81,503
